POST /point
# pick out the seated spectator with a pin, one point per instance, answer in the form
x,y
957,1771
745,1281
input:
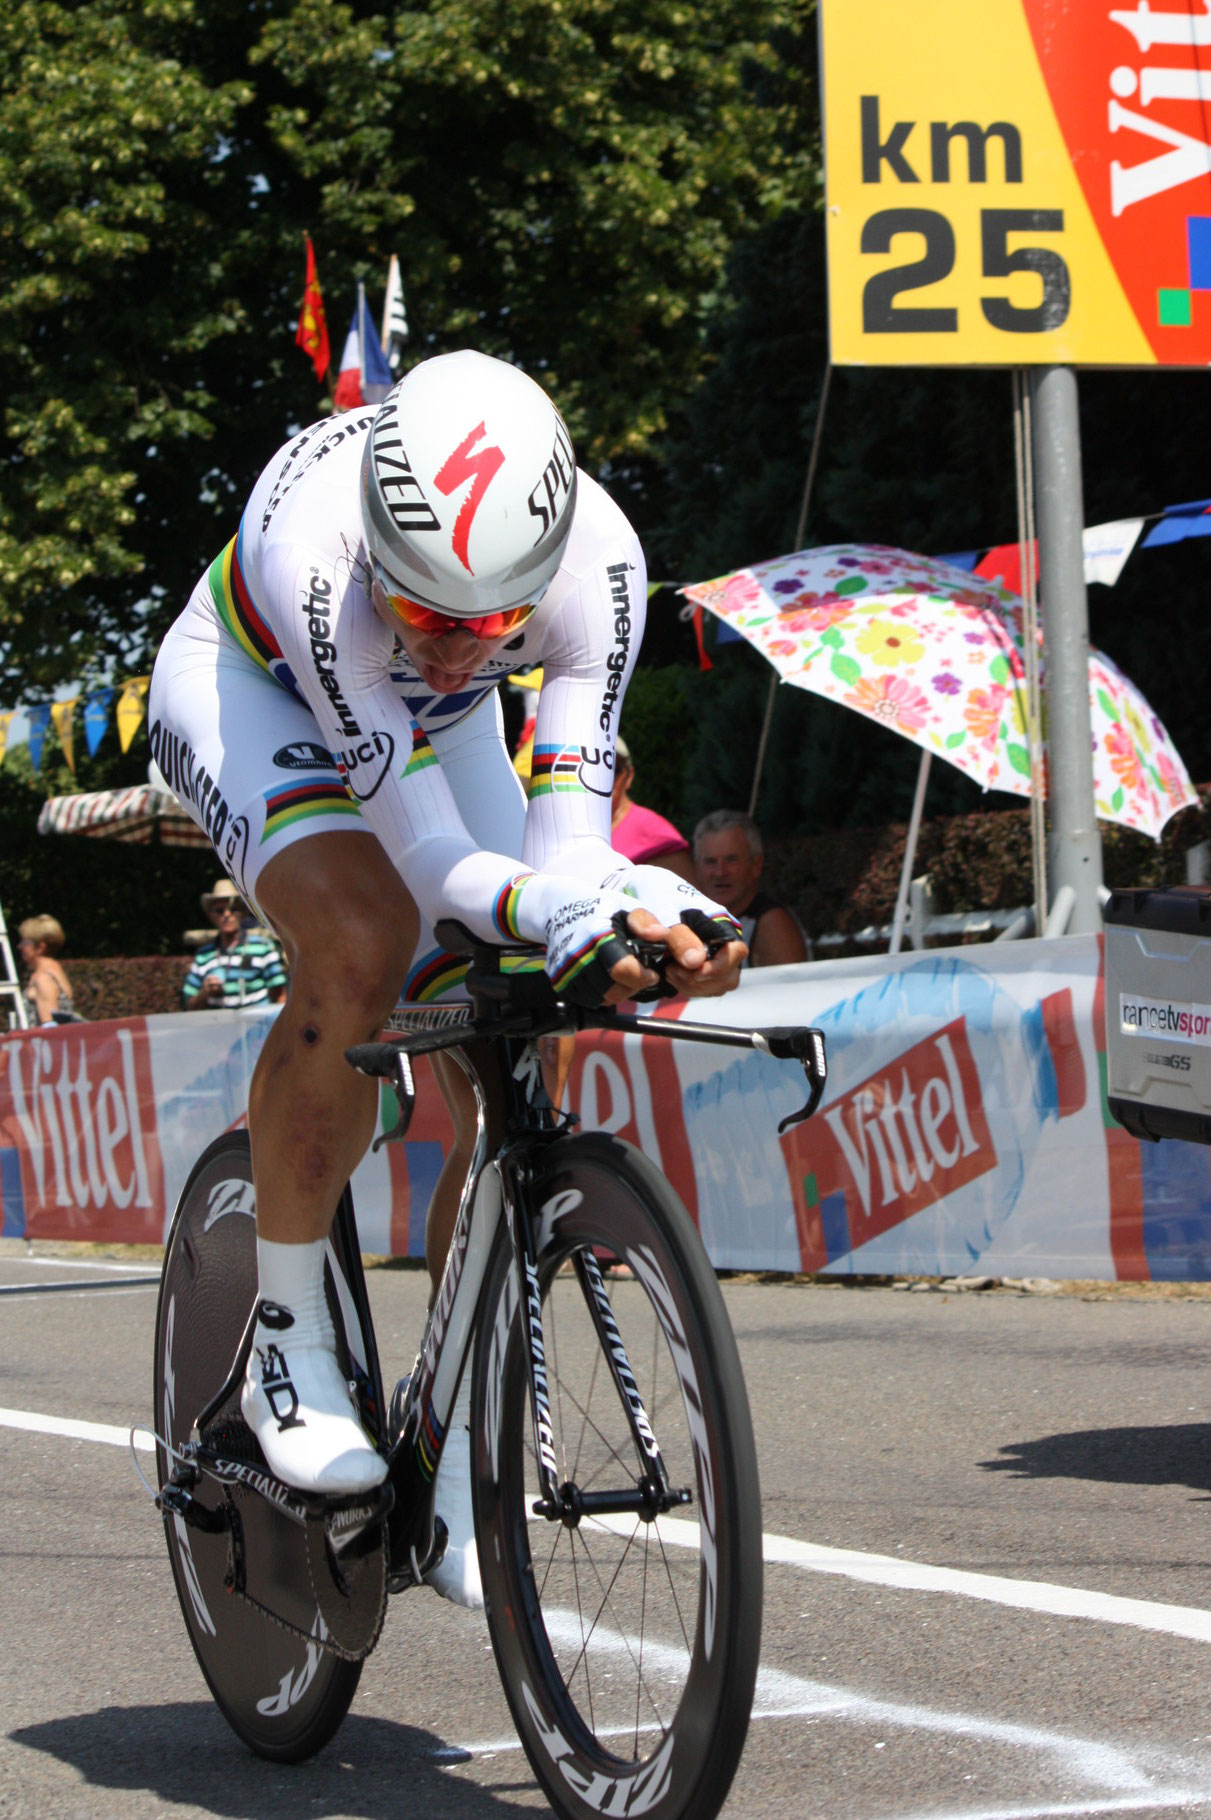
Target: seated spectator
x,y
240,967
643,836
729,856
48,989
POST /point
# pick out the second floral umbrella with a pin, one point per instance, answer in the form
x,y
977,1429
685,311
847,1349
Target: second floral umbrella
x,y
938,655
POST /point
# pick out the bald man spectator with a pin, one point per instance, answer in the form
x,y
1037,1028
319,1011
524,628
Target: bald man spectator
x,y
729,855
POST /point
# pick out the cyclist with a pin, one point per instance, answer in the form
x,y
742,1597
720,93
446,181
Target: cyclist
x,y
327,708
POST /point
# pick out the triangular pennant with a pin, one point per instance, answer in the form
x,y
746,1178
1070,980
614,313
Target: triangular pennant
x,y
39,721
62,714
96,717
130,709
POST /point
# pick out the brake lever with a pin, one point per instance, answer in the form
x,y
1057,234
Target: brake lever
x,y
804,1044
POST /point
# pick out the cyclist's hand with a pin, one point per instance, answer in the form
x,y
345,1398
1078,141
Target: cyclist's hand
x,y
693,969
587,960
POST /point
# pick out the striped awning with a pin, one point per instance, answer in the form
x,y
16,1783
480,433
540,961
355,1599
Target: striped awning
x,y
140,814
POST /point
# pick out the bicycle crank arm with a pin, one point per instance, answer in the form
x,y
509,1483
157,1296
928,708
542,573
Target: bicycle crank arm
x,y
648,1501
175,1501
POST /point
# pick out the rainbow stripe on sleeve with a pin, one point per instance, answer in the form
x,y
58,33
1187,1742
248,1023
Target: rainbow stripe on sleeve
x,y
583,957
504,910
237,610
422,755
555,768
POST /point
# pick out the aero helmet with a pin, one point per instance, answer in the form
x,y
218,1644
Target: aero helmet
x,y
468,487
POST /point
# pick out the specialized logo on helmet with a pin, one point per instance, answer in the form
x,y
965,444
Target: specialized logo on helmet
x,y
556,484
401,490
481,468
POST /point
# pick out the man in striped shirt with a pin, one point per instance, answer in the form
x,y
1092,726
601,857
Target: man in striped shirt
x,y
237,968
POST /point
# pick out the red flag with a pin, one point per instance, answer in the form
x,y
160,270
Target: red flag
x,y
312,332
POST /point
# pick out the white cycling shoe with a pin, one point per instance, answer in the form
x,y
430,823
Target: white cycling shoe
x,y
456,1575
302,1412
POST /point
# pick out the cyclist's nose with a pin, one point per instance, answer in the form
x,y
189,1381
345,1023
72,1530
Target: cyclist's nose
x,y
457,647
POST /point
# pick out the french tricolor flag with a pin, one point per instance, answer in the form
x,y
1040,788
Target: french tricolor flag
x,y
365,377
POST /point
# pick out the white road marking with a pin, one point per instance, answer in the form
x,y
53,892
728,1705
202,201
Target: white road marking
x,y
105,1432
1124,1785
40,1263
1191,1622
918,1576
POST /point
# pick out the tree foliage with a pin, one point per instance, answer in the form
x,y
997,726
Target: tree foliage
x,y
563,179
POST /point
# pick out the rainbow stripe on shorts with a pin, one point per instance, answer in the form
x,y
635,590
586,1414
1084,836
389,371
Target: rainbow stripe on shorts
x,y
435,974
288,804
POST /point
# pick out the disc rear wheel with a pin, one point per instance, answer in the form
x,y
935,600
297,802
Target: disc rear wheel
x,y
284,1694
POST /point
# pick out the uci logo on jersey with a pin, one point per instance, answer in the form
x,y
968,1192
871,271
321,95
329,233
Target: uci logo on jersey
x,y
365,765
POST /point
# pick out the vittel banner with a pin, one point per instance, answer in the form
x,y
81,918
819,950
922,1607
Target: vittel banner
x,y
901,1140
78,1144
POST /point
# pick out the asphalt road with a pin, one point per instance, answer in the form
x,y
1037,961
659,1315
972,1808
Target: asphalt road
x,y
988,1585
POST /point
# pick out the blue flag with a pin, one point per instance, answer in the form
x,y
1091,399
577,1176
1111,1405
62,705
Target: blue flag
x,y
39,721
96,717
1179,522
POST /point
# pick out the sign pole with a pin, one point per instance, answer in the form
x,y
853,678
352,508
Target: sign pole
x,y
1074,844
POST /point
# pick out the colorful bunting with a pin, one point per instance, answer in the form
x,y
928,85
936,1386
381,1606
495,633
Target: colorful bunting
x,y
39,720
130,710
62,714
1179,522
1107,548
96,717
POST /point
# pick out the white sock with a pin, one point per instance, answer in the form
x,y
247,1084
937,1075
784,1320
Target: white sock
x,y
292,1277
294,1398
456,1576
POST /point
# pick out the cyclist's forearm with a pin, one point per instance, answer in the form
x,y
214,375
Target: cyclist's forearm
x,y
495,897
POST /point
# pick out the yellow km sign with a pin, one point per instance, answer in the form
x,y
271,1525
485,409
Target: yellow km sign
x,y
1012,182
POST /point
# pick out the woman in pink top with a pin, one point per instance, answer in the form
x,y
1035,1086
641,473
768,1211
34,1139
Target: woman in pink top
x,y
644,837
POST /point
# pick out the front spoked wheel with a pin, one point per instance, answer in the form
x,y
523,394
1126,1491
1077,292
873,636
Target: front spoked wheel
x,y
627,1627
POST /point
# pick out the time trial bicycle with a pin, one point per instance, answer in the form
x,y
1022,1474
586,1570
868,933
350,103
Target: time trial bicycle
x,y
614,1474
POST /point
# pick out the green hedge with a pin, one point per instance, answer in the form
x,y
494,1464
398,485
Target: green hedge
x,y
127,987
846,880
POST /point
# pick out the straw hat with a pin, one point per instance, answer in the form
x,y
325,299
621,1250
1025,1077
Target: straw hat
x,y
223,893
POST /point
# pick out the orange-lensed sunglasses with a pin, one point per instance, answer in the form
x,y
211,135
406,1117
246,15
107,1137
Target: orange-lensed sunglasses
x,y
425,619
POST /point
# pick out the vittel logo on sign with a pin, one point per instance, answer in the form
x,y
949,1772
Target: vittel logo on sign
x,y
908,1135
84,1120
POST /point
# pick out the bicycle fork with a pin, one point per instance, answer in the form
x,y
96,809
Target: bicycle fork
x,y
651,1495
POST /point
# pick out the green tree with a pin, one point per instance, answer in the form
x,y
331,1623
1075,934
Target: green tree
x,y
563,179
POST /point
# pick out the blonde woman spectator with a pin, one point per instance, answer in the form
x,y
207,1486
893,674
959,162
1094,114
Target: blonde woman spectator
x,y
48,989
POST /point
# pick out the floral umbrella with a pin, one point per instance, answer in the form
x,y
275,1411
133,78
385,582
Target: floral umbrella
x,y
937,654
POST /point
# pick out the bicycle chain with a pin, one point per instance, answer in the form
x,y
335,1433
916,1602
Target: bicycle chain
x,y
328,1642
